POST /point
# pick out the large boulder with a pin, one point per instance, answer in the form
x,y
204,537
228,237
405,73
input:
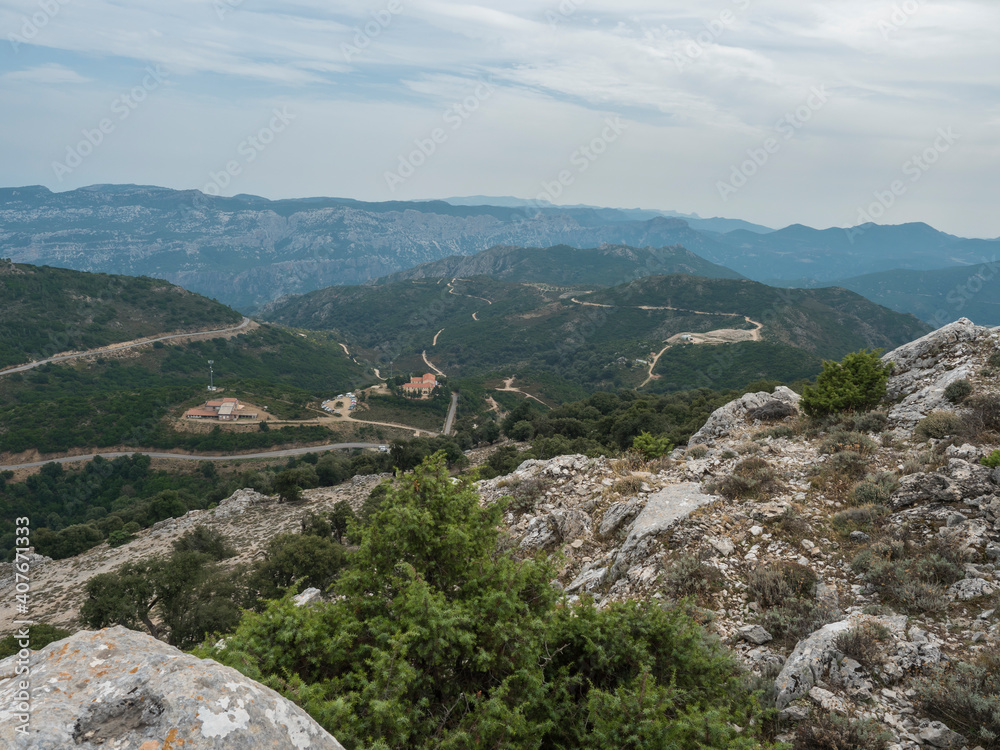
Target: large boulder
x,y
117,688
727,418
924,368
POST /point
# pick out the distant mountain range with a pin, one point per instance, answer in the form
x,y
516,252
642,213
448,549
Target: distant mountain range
x,y
247,251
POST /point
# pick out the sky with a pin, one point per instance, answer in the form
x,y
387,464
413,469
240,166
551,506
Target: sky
x,y
773,111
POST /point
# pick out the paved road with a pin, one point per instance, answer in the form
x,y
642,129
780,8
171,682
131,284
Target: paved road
x,y
187,457
119,347
451,414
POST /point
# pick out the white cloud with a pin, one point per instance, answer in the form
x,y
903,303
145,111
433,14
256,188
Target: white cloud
x,y
50,74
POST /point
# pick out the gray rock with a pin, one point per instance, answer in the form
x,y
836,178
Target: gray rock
x,y
807,664
920,376
937,734
663,509
722,545
755,634
993,551
970,588
860,537
542,533
571,524
724,419
119,688
828,701
618,515
310,596
239,502
589,579
797,712
924,488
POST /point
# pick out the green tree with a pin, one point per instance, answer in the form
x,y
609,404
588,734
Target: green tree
x,y
437,640
651,447
856,383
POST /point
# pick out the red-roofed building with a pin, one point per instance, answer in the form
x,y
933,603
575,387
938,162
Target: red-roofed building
x,y
225,410
420,386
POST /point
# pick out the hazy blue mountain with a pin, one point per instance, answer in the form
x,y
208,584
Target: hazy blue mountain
x,y
800,252
246,250
938,296
568,266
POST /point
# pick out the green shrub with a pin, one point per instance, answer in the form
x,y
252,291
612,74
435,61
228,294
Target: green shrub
x,y
689,576
846,440
966,695
781,431
430,615
772,585
982,415
913,577
870,421
849,464
939,424
696,451
525,493
856,383
627,486
792,621
958,391
834,732
39,636
992,460
751,478
865,643
994,360
860,518
118,538
875,489
651,447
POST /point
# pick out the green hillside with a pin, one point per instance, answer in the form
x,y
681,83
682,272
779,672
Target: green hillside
x,y
45,311
568,266
937,297
547,337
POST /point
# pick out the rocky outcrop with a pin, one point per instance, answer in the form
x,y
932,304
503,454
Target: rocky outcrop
x,y
924,368
117,688
760,405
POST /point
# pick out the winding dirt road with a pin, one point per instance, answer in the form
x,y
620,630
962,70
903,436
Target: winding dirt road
x,y
431,364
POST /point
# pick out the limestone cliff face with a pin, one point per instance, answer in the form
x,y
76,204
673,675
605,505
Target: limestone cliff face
x,y
116,688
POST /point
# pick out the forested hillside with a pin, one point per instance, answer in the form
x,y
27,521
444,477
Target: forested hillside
x,y
44,311
570,342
